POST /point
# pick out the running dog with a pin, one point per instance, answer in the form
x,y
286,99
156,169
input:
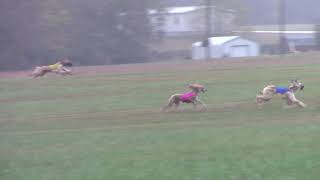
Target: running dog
x,y
188,97
288,93
58,68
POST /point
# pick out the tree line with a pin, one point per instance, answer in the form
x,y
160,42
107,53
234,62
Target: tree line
x,y
38,32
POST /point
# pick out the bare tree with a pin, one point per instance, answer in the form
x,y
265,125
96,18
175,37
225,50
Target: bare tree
x,y
90,32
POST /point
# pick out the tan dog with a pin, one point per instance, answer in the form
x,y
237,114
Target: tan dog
x,y
58,68
288,93
188,97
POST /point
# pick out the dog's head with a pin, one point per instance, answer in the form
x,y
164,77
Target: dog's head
x,y
66,62
197,88
296,85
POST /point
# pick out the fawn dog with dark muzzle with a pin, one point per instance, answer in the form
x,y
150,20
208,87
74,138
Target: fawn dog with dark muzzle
x,y
288,93
189,97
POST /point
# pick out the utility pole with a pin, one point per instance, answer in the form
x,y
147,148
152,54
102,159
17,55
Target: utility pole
x,y
208,18
208,27
283,44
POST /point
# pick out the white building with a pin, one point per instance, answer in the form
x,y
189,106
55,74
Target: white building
x,y
179,21
225,46
300,37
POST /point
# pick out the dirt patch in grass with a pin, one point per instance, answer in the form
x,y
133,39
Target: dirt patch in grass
x,y
220,64
67,96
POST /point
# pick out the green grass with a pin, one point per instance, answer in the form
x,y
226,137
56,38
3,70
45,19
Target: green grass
x,y
109,126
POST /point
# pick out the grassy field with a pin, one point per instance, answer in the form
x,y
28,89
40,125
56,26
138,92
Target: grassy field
x,y
109,125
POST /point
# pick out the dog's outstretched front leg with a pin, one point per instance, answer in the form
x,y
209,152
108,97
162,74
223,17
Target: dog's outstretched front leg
x,y
64,71
291,100
300,104
198,101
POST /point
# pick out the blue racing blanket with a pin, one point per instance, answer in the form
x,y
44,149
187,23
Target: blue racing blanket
x,y
282,90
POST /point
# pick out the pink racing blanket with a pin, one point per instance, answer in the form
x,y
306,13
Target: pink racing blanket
x,y
187,97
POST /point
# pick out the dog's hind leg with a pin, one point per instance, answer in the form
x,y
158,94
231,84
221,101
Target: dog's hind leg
x,y
265,96
173,100
176,106
39,71
260,99
165,107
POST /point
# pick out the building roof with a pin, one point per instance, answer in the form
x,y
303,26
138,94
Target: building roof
x,y
216,41
175,10
185,9
170,3
221,39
